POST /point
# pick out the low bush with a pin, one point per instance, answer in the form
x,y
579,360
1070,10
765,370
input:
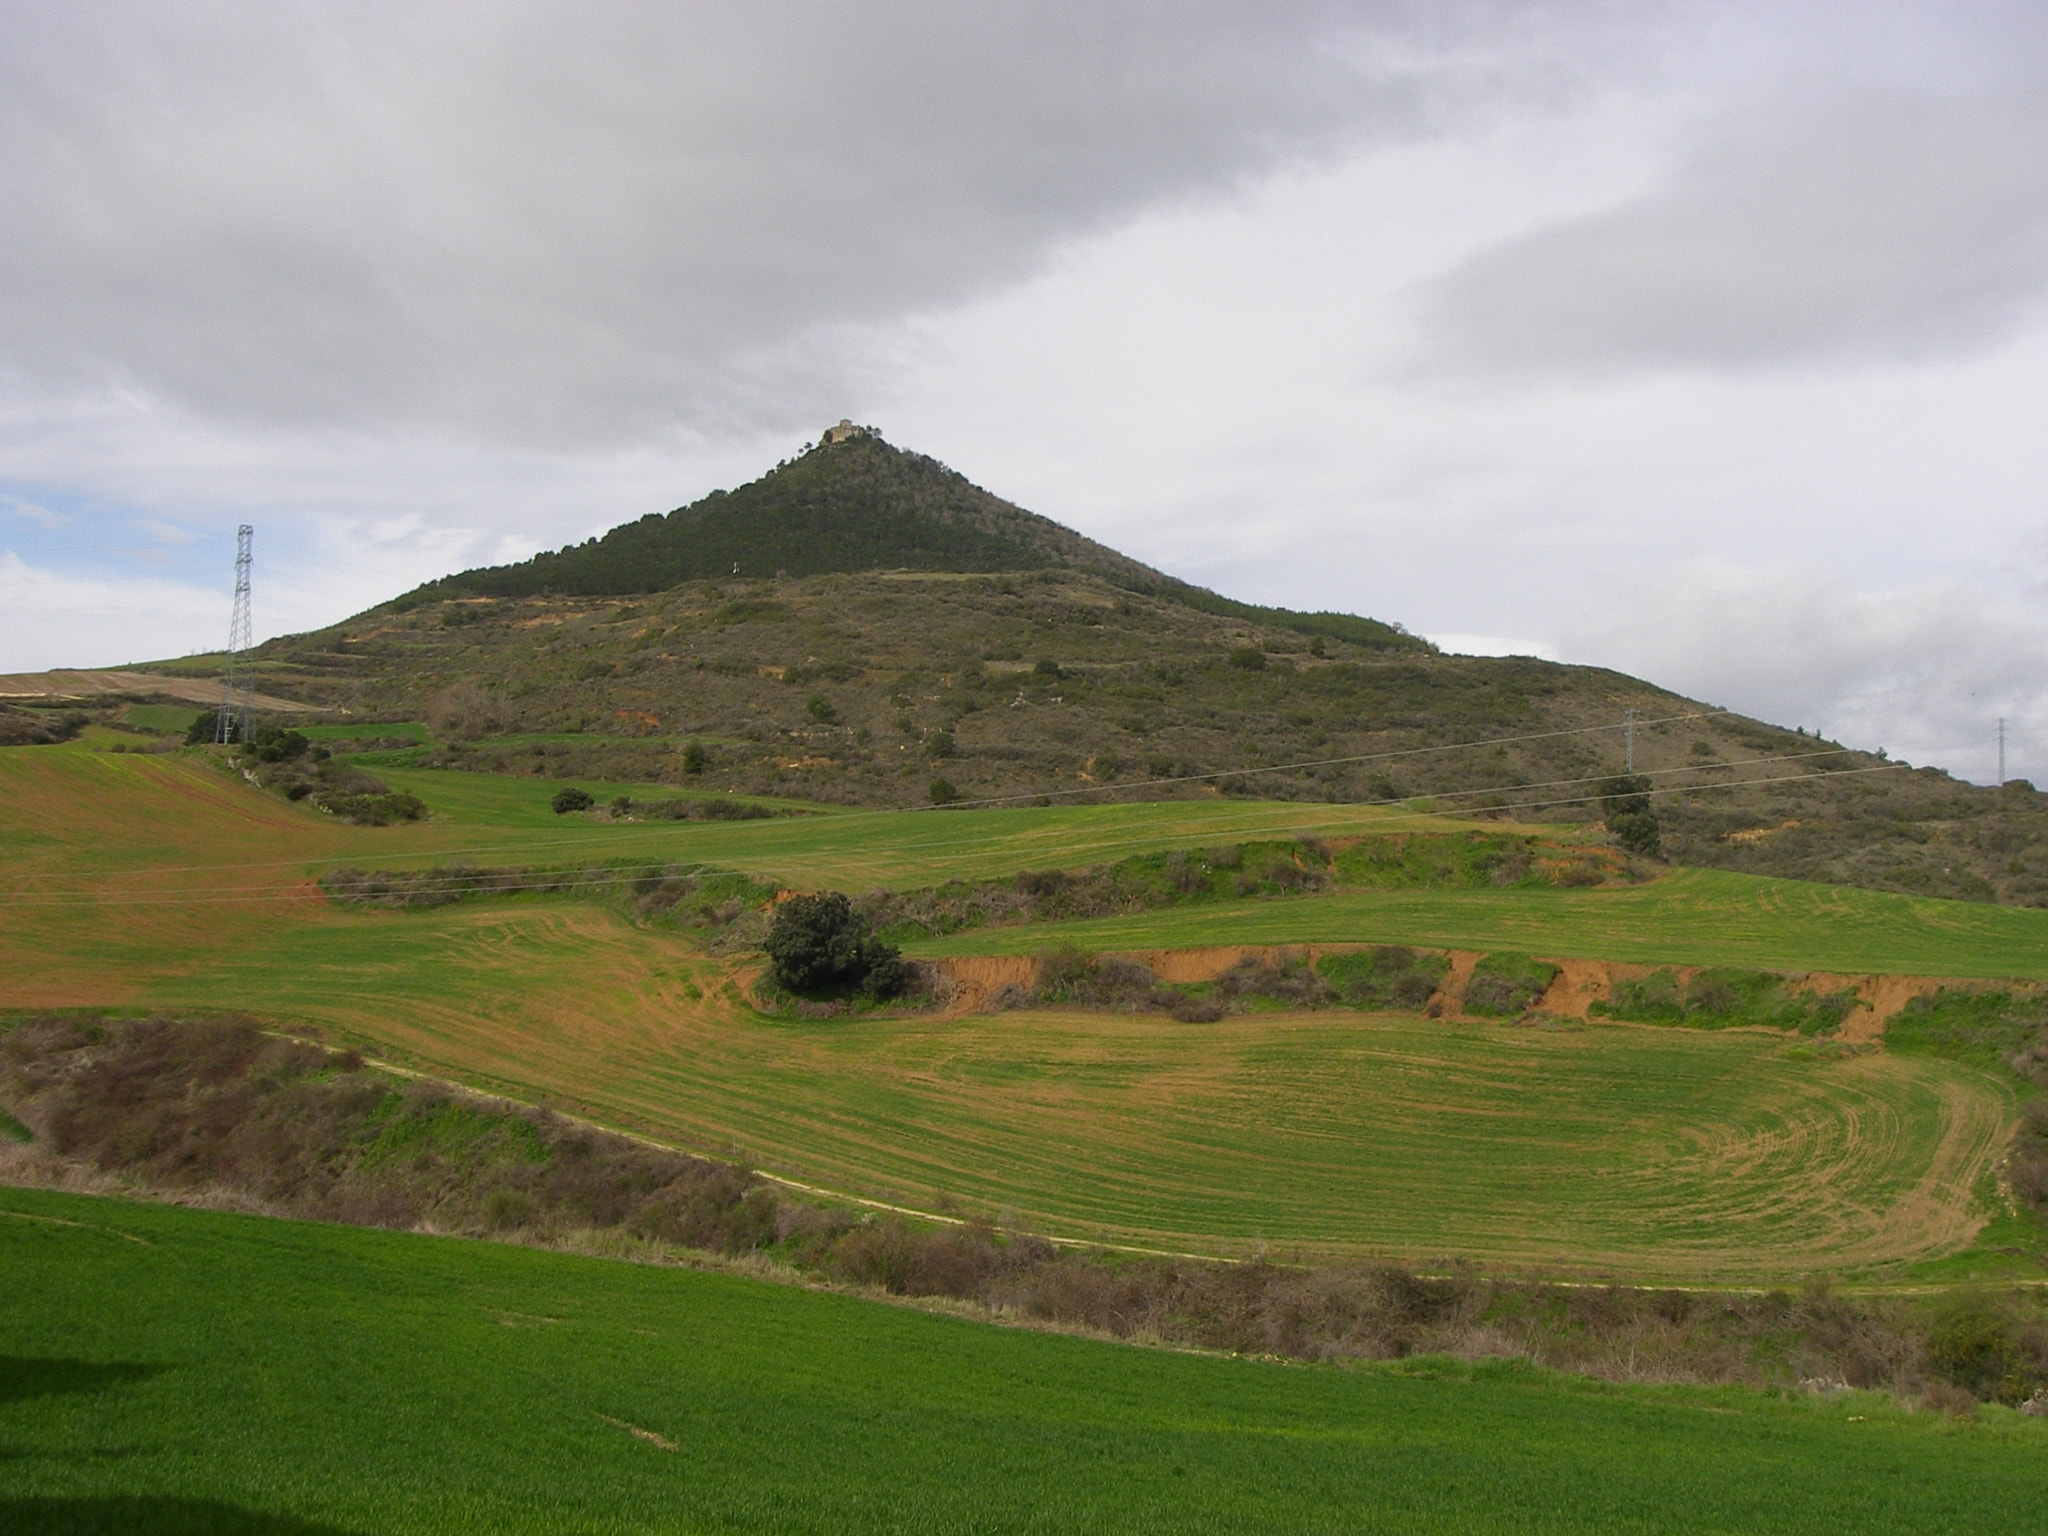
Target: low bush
x,y
1071,977
1722,998
1625,803
1984,1348
285,763
1502,986
1392,976
707,808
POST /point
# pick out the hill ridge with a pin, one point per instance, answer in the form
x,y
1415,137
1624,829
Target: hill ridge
x,y
854,503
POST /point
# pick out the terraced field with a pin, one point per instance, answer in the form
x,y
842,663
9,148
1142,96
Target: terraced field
x,y
1613,1148
1686,917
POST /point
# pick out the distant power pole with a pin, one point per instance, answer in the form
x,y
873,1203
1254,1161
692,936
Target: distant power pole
x,y
1628,730
2001,749
237,684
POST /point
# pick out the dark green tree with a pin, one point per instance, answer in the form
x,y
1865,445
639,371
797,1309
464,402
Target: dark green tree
x,y
820,944
1625,802
695,758
571,799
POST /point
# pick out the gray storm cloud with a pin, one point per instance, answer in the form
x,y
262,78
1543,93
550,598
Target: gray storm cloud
x,y
578,223
1874,226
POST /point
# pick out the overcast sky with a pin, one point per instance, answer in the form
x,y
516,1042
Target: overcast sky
x,y
1705,341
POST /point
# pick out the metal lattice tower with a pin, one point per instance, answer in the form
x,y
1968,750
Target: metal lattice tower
x,y
237,683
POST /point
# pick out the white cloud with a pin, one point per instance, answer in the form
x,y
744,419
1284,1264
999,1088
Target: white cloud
x,y
1923,671
65,621
1852,226
16,506
572,224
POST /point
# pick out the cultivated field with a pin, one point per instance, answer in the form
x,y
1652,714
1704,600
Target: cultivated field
x,y
1650,1152
1686,917
180,1370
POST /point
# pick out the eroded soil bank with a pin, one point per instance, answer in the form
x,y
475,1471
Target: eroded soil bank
x,y
972,983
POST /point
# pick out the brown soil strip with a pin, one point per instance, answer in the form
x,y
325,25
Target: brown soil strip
x,y
81,685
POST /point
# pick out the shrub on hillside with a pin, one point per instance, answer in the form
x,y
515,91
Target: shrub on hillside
x,y
286,764
1723,997
1248,657
571,799
819,944
1625,803
1502,986
274,744
1988,1351
1390,976
1281,981
1639,833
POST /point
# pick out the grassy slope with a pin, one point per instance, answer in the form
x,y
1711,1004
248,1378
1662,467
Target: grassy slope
x,y
1146,692
1689,917
1421,1140
1650,1151
170,1368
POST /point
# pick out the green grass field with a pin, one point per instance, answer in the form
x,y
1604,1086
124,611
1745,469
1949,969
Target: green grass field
x,y
1614,1149
1687,917
167,1370
411,730
161,717
1610,1149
